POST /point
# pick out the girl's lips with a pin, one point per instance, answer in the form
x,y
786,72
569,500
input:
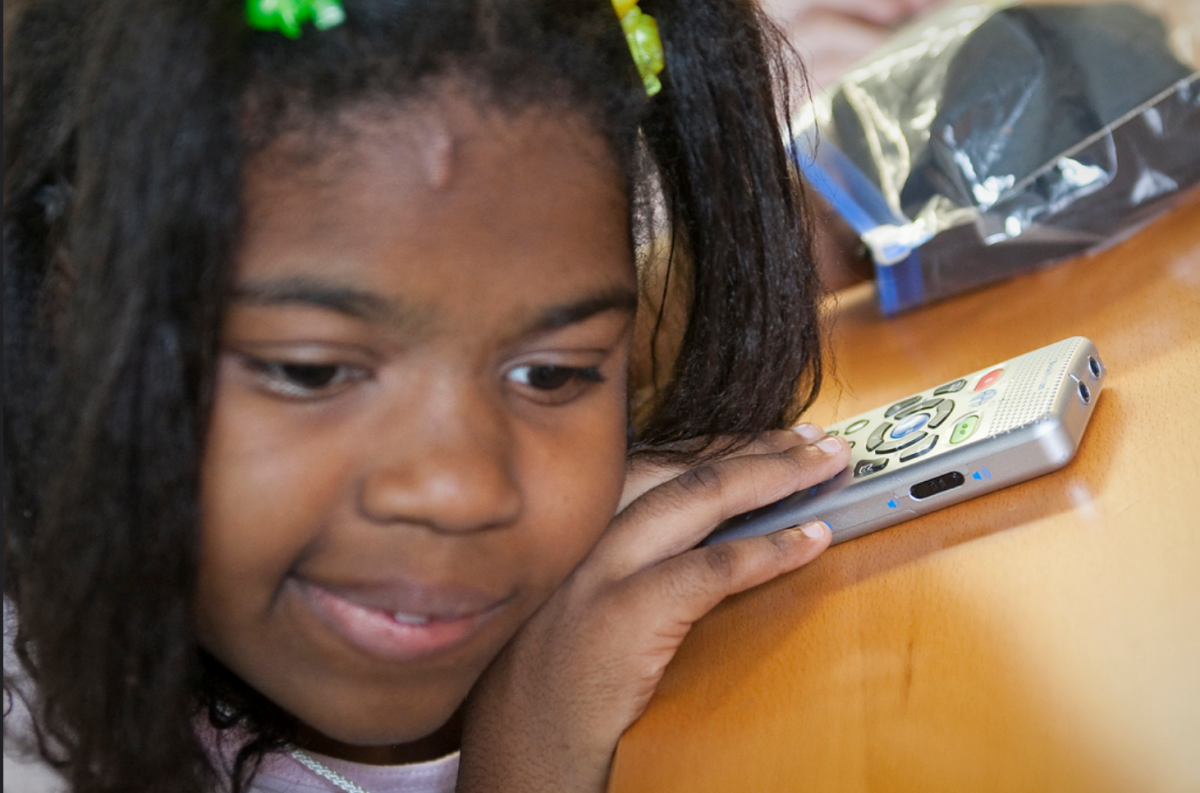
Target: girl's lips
x,y
400,627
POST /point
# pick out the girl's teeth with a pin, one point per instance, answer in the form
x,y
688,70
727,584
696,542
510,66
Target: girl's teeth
x,y
409,619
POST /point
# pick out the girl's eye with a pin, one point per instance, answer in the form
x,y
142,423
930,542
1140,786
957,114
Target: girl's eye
x,y
558,383
304,380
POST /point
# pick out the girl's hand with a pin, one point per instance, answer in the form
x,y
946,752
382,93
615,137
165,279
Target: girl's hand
x,y
547,714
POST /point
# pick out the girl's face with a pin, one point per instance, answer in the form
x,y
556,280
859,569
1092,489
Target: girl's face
x,y
419,427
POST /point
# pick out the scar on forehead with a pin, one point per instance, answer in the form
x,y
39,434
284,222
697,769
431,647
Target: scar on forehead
x,y
436,148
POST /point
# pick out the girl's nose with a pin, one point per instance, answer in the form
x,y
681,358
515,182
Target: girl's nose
x,y
451,468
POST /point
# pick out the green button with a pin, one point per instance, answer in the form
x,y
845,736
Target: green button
x,y
964,429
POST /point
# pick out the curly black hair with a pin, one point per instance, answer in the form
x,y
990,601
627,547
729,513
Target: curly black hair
x,y
126,128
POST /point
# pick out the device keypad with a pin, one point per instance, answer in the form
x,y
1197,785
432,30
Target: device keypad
x,y
944,409
908,428
901,405
877,435
866,467
950,388
920,449
928,404
896,444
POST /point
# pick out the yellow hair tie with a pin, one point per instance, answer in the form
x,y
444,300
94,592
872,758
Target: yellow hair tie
x,y
641,33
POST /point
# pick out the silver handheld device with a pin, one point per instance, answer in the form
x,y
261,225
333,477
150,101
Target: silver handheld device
x,y
987,430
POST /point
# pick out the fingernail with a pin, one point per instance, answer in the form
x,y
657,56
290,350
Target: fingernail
x,y
809,432
831,444
815,530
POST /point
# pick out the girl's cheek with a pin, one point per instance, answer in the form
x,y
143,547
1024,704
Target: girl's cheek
x,y
581,481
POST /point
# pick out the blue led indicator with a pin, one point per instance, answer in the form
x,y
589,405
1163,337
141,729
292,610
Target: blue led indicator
x,y
892,504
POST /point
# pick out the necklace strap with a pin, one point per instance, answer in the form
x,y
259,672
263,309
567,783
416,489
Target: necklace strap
x,y
322,770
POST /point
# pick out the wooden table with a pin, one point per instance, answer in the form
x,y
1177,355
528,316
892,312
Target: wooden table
x,y
1042,638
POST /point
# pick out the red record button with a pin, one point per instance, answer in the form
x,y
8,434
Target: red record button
x,y
989,378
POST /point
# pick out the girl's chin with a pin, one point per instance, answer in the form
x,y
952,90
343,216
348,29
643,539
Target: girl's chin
x,y
439,742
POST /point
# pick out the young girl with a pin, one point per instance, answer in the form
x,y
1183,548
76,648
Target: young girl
x,y
317,333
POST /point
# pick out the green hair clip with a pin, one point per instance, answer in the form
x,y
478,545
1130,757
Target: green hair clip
x,y
286,16
641,33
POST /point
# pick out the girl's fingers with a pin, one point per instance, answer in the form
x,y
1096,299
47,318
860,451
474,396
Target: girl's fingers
x,y
695,582
593,654
659,605
646,474
677,514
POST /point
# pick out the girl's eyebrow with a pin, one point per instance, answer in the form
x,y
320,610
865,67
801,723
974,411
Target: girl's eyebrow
x,y
620,299
373,307
356,303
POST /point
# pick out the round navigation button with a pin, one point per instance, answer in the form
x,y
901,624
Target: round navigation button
x,y
910,425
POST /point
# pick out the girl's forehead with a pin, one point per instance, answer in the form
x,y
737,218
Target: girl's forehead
x,y
438,202
430,143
